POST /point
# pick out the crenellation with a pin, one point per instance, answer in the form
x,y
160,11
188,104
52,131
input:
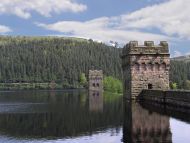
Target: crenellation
x,y
164,44
148,48
133,44
149,43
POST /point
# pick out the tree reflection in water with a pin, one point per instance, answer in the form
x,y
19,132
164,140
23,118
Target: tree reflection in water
x,y
61,114
75,115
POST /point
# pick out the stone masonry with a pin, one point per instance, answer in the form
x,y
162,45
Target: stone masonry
x,y
145,67
95,80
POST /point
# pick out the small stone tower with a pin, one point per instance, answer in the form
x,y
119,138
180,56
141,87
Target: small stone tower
x,y
95,80
145,67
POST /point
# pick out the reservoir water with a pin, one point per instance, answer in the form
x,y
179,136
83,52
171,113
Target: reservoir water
x,y
77,116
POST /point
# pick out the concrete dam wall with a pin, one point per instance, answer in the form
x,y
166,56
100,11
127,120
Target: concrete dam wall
x,y
169,97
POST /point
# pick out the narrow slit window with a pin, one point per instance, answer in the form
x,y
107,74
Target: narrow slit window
x,y
143,67
157,67
136,67
150,86
163,66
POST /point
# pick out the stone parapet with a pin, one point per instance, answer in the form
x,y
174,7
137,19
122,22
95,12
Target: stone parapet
x,y
170,97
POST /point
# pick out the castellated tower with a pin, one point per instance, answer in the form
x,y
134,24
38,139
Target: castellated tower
x,y
95,80
145,67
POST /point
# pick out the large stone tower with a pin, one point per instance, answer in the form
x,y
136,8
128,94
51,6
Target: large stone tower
x,y
145,67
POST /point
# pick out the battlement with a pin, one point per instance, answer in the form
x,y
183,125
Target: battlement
x,y
133,48
95,73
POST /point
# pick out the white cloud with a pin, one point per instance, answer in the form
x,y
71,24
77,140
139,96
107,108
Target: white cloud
x,y
171,17
187,53
23,8
4,29
104,29
177,54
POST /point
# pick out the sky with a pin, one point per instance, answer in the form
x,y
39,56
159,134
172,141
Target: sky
x,y
102,20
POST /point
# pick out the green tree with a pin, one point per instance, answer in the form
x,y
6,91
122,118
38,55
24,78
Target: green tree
x,y
174,86
83,80
112,84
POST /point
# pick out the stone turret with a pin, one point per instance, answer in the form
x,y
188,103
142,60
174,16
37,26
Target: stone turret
x,y
95,80
145,67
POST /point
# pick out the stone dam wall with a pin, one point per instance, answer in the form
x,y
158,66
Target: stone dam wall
x,y
170,97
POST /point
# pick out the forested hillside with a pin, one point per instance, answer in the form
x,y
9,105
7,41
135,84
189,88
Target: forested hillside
x,y
46,59
180,73
63,60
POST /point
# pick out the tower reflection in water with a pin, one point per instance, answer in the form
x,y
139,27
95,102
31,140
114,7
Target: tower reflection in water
x,y
96,100
142,126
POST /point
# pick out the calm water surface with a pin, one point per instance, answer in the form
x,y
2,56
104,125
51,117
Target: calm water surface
x,y
80,117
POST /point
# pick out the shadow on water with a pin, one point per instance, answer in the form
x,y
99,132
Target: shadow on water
x,y
58,114
180,113
149,122
140,125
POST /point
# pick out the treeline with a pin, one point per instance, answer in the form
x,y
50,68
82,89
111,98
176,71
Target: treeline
x,y
180,74
63,63
51,59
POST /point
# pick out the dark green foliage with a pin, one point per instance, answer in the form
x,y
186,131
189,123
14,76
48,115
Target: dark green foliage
x,y
83,80
173,85
180,74
46,59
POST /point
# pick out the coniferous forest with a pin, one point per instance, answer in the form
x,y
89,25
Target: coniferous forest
x,y
59,60
53,60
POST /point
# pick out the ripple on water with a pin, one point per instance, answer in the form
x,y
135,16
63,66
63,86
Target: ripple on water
x,y
21,107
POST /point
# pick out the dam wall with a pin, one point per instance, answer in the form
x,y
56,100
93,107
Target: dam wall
x,y
170,97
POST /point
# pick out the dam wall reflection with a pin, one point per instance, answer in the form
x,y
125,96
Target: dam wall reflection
x,y
143,126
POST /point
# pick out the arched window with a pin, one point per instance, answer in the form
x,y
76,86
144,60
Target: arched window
x,y
150,67
156,67
163,66
143,67
136,67
97,84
